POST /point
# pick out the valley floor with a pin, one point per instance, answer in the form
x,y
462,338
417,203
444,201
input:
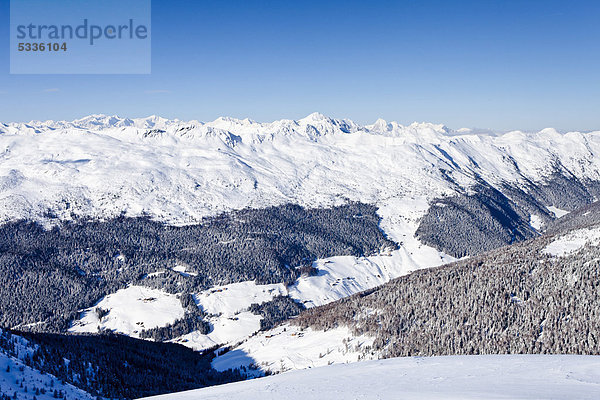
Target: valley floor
x,y
451,377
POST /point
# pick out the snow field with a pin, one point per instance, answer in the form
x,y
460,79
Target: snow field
x,y
288,347
524,377
14,373
573,241
130,311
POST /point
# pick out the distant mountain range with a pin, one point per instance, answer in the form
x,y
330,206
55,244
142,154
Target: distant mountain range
x,y
178,171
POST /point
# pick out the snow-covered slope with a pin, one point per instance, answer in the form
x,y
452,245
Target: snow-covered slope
x,y
573,241
287,347
227,309
129,311
13,373
456,377
18,379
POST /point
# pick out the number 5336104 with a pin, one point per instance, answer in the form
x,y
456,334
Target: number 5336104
x,y
42,47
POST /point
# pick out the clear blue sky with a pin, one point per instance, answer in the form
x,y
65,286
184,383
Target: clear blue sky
x,y
495,64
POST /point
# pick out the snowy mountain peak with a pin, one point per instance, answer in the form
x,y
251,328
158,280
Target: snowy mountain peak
x,y
181,171
550,133
426,126
99,120
314,117
380,126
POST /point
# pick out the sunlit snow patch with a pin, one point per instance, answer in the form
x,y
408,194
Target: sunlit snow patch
x,y
227,307
182,270
536,222
573,241
557,211
130,311
231,299
225,331
289,347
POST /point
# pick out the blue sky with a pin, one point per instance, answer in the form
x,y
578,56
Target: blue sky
x,y
489,64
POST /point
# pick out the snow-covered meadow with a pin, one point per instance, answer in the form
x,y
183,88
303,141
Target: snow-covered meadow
x,y
573,241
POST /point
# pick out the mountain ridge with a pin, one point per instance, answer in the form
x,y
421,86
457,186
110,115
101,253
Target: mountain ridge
x,y
101,166
105,121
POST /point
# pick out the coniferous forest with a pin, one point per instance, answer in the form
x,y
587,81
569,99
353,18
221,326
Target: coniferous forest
x,y
512,300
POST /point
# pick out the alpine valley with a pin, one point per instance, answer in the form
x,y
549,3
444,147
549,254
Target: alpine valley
x,y
141,257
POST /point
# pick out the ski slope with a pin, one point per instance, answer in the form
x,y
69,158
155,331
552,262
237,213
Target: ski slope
x,y
454,377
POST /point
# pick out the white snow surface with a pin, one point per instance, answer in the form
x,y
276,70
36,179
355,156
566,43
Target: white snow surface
x,y
453,377
536,222
130,311
182,269
573,241
557,211
225,331
231,299
227,309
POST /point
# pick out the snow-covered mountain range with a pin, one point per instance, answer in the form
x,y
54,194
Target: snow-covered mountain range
x,y
179,171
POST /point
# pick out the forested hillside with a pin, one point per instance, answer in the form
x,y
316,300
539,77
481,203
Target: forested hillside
x,y
112,366
482,218
588,215
524,298
46,276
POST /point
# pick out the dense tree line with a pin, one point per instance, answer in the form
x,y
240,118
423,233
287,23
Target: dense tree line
x,y
581,218
115,366
469,224
516,299
279,309
48,275
484,218
189,323
565,191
